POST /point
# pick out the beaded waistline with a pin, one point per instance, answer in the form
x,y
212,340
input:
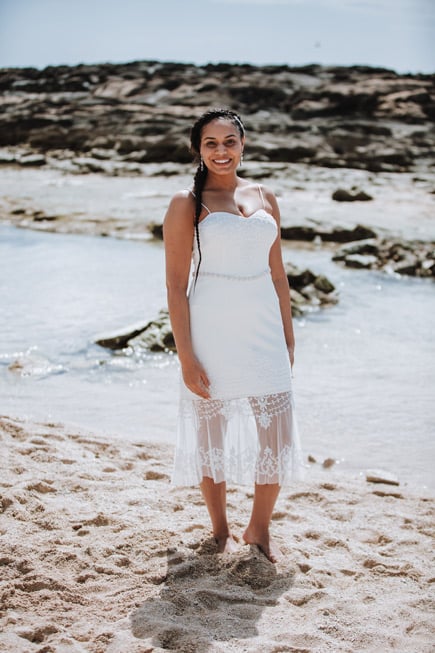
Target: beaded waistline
x,y
252,277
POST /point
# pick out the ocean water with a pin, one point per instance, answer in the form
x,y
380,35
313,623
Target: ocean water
x,y
364,373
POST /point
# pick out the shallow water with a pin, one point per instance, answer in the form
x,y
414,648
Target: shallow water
x,y
364,374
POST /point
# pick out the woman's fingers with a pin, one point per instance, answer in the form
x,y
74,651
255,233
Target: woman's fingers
x,y
197,381
204,379
200,389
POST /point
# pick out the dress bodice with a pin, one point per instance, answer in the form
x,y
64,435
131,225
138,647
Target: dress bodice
x,y
232,245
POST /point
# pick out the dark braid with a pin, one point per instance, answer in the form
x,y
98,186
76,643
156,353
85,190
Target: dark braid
x,y
201,172
198,185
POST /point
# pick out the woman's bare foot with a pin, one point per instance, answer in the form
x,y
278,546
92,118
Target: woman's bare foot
x,y
264,543
226,544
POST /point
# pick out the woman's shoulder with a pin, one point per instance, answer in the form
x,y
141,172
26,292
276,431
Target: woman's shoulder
x,y
184,196
181,207
182,200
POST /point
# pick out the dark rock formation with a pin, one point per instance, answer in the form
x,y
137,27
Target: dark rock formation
x,y
333,235
154,336
308,290
343,195
361,117
411,258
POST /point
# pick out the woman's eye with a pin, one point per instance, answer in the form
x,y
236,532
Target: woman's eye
x,y
230,143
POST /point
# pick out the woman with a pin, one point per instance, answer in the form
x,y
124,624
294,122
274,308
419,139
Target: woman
x,y
233,331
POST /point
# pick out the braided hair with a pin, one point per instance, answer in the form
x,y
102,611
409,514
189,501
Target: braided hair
x,y
201,171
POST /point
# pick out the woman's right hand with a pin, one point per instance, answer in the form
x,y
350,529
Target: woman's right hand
x,y
195,378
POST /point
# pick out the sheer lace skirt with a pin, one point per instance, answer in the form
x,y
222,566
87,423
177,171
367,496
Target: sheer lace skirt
x,y
244,440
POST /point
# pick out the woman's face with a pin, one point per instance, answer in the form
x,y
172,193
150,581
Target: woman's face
x,y
221,146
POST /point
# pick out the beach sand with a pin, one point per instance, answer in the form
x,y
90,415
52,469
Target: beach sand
x,y
98,553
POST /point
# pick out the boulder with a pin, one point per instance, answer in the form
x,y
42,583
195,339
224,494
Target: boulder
x,y
35,160
342,195
153,336
120,339
360,261
308,290
381,476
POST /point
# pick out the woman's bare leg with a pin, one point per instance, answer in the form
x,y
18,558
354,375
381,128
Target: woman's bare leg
x,y
257,532
215,497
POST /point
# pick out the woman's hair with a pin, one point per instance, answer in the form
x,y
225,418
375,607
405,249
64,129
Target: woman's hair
x,y
201,171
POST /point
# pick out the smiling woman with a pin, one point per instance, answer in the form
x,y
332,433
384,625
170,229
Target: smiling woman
x,y
234,334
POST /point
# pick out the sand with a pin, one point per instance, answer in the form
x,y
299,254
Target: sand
x,y
98,553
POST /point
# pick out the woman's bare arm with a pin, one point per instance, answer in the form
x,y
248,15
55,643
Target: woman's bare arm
x,y
279,278
178,233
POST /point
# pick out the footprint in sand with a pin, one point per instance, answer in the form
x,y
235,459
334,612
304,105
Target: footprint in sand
x,y
43,487
38,635
152,475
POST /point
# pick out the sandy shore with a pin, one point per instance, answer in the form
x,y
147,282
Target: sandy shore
x,y
99,553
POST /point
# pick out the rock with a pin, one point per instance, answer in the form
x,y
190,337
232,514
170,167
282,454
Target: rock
x,y
381,476
328,462
334,234
322,283
297,277
311,459
299,232
344,235
360,261
299,303
156,336
412,258
117,340
308,290
156,230
341,195
32,160
368,246
7,158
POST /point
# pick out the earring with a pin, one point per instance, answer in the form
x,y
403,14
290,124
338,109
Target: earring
x,y
201,164
241,160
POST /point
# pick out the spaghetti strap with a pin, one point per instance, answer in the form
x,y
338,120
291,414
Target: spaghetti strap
x,y
262,196
202,204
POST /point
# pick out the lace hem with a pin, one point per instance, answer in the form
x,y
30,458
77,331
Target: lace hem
x,y
252,439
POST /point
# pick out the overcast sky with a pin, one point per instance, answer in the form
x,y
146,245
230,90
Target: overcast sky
x,y
398,34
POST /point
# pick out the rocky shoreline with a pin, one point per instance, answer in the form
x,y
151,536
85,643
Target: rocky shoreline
x,y
113,117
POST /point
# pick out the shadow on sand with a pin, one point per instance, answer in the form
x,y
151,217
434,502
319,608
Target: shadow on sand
x,y
208,597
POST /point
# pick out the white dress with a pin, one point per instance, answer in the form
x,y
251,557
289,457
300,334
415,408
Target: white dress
x,y
246,432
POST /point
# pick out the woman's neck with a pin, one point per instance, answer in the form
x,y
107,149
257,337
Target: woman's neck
x,y
221,182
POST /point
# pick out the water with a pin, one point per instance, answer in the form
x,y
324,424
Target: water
x,y
364,373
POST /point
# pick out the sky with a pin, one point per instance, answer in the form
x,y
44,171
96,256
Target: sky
x,y
396,34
